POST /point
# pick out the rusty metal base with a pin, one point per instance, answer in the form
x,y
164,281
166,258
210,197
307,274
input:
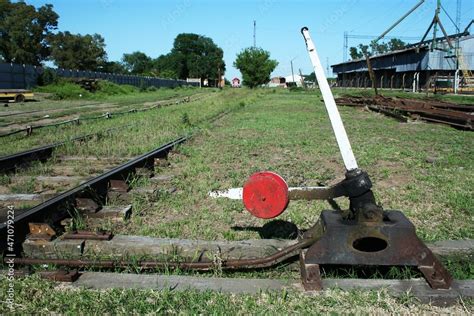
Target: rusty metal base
x,y
392,242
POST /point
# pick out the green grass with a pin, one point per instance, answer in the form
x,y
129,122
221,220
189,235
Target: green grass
x,y
68,90
64,90
287,132
33,295
19,142
47,112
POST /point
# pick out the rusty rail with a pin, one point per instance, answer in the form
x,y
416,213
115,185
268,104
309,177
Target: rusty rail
x,y
455,115
21,159
60,206
57,208
264,262
29,129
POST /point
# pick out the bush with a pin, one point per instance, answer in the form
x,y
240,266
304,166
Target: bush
x,y
48,77
64,90
142,87
107,88
152,89
295,89
185,120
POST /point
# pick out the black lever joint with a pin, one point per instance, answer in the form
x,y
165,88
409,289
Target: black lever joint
x,y
357,182
357,187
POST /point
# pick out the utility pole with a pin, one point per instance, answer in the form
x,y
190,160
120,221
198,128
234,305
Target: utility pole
x,y
458,29
302,79
254,33
371,73
458,15
402,18
292,74
327,66
345,46
435,26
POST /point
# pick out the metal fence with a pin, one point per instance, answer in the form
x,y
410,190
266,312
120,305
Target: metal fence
x,y
14,76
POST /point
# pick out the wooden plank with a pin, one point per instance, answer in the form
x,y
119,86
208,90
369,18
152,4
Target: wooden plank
x,y
52,181
123,246
20,197
452,247
53,249
416,287
95,159
201,250
104,280
160,178
116,213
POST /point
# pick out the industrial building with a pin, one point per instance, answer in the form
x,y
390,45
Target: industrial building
x,y
425,65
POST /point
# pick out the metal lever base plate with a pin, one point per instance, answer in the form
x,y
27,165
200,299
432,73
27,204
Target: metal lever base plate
x,y
392,242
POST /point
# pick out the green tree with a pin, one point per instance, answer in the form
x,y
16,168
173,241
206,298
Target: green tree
x,y
165,66
376,48
137,63
355,53
255,65
311,77
114,67
364,49
196,56
75,51
396,44
24,32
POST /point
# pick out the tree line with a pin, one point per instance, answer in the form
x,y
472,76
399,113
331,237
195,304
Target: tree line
x,y
30,35
375,48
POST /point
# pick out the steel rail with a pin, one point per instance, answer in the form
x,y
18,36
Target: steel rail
x,y
106,115
257,263
58,207
20,159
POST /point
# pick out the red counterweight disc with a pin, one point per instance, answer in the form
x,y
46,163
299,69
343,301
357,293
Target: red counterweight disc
x,y
265,194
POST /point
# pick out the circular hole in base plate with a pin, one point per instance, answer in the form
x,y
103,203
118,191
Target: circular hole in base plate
x,y
369,244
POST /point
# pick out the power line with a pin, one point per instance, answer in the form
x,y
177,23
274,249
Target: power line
x,y
360,36
447,14
458,15
382,16
254,33
408,38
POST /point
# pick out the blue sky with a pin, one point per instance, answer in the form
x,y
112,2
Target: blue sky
x,y
151,26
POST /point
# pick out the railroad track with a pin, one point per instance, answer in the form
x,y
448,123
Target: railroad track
x,y
87,256
22,159
63,184
63,231
57,112
30,125
455,115
24,190
32,187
